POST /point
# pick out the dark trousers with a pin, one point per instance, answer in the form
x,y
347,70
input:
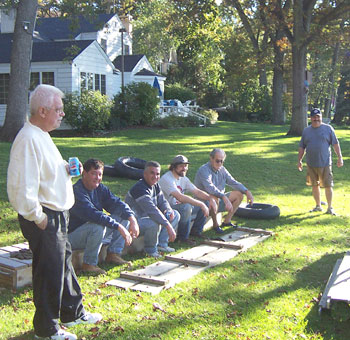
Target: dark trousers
x,y
56,291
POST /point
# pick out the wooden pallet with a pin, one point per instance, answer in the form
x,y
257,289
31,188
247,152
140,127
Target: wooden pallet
x,y
14,273
182,266
338,285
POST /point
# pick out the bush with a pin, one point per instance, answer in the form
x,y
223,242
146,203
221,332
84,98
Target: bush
x,y
141,105
173,121
211,114
87,112
177,91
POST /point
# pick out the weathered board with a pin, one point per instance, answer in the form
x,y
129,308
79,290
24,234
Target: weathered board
x,y
338,285
15,272
190,262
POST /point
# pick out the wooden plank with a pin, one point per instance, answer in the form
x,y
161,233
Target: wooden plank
x,y
257,231
10,249
12,263
141,278
340,289
121,283
187,261
222,244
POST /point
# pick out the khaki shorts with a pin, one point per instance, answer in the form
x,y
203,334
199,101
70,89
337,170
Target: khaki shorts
x,y
319,176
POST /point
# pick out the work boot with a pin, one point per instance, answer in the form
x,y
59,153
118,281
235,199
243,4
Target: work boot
x,y
92,269
116,259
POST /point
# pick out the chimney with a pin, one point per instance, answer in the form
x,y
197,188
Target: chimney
x,y
126,21
7,20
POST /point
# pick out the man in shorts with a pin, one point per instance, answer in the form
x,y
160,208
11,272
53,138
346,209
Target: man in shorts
x,y
316,140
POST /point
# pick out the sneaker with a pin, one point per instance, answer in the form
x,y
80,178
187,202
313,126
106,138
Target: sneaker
x,y
60,335
166,249
87,318
219,230
116,259
92,269
317,208
331,211
155,255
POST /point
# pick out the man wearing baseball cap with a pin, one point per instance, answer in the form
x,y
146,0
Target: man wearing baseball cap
x,y
176,186
316,141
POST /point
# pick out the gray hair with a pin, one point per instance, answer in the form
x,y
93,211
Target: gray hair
x,y
217,150
43,96
152,164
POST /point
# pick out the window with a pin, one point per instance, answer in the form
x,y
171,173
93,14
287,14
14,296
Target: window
x,y
104,44
4,87
37,78
91,81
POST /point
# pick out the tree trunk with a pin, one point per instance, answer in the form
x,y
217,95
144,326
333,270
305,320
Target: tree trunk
x,y
278,116
17,102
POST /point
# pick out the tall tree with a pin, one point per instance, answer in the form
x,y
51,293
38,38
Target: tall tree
x,y
309,17
17,101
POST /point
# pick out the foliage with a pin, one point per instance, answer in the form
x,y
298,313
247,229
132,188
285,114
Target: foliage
x,y
140,105
270,291
178,91
211,114
87,112
173,122
250,102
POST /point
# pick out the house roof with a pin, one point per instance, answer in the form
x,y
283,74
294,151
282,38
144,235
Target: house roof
x,y
145,72
130,61
62,28
47,51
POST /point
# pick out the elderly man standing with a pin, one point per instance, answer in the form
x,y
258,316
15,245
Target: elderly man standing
x,y
88,219
40,189
213,177
157,221
316,140
175,186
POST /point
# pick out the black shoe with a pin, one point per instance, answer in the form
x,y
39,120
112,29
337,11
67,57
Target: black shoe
x,y
218,230
229,225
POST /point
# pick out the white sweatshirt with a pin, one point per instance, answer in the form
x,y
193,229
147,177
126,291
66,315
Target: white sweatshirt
x,y
37,175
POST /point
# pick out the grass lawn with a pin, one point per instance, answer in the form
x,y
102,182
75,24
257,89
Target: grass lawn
x,y
269,292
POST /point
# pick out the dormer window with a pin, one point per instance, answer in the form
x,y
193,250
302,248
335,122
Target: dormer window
x,y
103,44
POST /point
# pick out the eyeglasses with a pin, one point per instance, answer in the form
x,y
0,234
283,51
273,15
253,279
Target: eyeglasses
x,y
221,161
58,111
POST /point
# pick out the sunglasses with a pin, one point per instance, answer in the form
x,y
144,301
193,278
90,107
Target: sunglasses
x,y
221,161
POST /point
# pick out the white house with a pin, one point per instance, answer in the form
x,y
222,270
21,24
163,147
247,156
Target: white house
x,y
77,55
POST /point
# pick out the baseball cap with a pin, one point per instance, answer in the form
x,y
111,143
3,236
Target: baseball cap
x,y
179,159
315,111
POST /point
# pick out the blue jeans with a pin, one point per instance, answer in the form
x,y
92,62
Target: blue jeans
x,y
155,234
186,211
89,237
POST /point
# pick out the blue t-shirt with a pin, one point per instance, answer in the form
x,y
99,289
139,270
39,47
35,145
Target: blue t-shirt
x,y
317,142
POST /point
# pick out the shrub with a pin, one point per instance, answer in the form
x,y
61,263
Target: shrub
x,y
87,112
211,114
141,105
173,121
178,91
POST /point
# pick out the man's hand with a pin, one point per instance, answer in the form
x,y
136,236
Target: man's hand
x,y
212,205
300,165
43,224
171,232
340,162
204,209
134,228
228,204
250,198
125,234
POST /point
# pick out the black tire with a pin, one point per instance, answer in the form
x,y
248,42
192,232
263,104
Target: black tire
x,y
109,170
130,167
258,211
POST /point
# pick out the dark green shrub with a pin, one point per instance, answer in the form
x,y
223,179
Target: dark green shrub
x,y
141,105
87,112
178,91
211,114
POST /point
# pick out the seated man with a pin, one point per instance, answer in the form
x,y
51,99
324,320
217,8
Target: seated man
x,y
88,219
175,184
213,177
157,221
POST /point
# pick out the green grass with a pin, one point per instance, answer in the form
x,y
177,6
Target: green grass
x,y
269,292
